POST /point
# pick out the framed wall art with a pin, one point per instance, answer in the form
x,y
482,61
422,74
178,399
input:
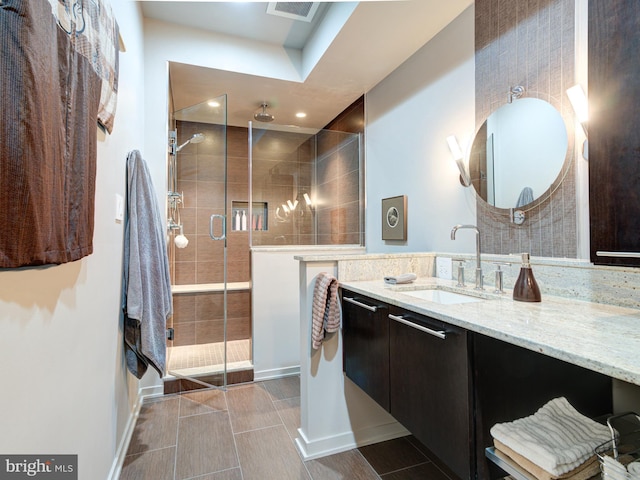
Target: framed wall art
x,y
394,218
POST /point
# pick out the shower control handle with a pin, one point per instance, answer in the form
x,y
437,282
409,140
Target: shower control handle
x,y
223,219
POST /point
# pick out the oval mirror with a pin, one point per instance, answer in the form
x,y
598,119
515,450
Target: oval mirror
x,y
518,153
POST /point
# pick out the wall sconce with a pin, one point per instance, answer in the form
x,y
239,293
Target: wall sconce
x,y
579,103
580,106
458,157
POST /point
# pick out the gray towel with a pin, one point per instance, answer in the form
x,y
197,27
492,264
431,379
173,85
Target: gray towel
x,y
147,285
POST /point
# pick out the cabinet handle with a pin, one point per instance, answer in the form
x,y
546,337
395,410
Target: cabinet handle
x,y
618,254
441,334
355,302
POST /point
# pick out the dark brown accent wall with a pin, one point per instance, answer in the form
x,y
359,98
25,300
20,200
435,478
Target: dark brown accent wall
x,y
528,43
351,119
614,135
339,177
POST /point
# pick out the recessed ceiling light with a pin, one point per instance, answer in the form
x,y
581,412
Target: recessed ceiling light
x,y
213,103
301,114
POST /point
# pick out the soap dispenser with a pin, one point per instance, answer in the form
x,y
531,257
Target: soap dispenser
x,y
526,288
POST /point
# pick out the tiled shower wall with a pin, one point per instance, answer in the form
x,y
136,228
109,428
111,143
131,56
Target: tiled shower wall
x,y
198,317
329,160
201,178
282,169
338,173
528,43
339,176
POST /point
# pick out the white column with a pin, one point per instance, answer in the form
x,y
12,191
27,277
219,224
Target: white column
x,y
335,414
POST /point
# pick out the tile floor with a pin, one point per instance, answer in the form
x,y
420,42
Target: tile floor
x,y
247,433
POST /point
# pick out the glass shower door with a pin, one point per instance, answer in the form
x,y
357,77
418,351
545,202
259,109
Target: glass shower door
x,y
197,221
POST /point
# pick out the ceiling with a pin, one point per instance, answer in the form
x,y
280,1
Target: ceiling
x,y
365,45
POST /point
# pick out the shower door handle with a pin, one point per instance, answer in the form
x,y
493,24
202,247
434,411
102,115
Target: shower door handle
x,y
223,219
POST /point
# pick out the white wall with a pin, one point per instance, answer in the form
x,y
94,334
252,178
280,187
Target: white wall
x,y
275,310
275,307
409,115
65,387
174,43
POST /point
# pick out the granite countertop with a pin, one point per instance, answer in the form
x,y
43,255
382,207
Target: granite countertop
x,y
602,338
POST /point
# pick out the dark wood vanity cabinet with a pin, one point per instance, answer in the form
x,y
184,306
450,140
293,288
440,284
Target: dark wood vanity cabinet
x,y
430,386
614,136
365,337
448,386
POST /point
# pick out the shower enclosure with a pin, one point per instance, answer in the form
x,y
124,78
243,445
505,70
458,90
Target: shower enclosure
x,y
232,188
211,324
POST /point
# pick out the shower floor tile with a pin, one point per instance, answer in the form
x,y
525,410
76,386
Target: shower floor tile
x,y
191,360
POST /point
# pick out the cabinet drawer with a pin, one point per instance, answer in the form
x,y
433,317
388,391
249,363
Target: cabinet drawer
x,y
365,336
430,386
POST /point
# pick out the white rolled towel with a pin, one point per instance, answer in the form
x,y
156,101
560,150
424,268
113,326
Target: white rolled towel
x,y
634,469
404,278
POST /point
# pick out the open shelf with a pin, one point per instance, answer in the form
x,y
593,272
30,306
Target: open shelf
x,y
508,465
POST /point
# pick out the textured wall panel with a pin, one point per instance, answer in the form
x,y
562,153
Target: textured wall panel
x,y
528,43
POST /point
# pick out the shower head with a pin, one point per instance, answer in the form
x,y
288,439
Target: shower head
x,y
263,116
197,138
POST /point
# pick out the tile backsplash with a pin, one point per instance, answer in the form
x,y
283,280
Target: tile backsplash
x,y
561,277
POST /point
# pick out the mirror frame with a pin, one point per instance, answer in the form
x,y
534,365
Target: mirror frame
x,y
566,112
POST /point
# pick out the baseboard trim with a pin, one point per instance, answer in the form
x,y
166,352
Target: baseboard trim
x,y
121,452
275,373
152,391
312,449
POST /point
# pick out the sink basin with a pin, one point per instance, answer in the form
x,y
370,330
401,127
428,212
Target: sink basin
x,y
442,296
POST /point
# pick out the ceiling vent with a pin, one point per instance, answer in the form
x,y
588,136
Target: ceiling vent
x,y
302,11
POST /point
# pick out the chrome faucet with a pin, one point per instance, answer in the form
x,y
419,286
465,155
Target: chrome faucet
x,y
479,281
